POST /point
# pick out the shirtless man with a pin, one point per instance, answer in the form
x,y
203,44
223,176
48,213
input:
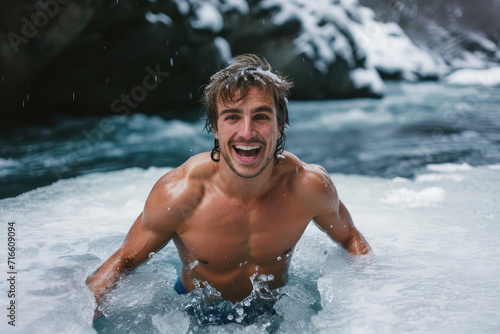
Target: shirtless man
x,y
238,212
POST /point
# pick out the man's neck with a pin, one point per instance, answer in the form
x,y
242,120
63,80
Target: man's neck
x,y
246,189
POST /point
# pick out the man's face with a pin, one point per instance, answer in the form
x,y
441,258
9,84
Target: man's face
x,y
247,132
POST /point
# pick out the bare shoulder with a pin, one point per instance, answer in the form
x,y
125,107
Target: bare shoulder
x,y
177,193
311,182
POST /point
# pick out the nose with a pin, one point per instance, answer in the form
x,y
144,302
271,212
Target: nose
x,y
248,129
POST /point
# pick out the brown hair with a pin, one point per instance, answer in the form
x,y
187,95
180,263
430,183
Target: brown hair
x,y
244,72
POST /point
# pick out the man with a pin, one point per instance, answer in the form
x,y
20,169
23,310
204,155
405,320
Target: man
x,y
236,214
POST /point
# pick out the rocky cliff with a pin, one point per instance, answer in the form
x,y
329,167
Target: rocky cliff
x,y
90,57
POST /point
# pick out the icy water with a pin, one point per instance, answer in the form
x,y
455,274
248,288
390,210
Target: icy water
x,y
419,170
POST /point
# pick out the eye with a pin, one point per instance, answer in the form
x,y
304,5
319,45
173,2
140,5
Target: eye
x,y
232,117
262,116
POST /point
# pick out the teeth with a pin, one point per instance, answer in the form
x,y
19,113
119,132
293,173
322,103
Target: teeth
x,y
246,148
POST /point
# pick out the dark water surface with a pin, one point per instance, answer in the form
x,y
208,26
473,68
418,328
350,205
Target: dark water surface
x,y
412,126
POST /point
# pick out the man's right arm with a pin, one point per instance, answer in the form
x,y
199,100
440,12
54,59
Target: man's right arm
x,y
136,248
164,211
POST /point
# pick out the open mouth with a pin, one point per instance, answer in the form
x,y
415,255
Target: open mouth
x,y
247,152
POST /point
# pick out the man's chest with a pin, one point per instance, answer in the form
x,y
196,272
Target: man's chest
x,y
225,230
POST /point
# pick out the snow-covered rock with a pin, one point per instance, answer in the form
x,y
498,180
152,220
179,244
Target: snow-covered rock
x,y
484,77
330,48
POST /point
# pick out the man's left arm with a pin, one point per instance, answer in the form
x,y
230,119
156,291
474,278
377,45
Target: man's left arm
x,y
334,218
340,227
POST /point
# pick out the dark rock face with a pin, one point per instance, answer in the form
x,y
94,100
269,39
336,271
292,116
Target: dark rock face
x,y
92,57
95,59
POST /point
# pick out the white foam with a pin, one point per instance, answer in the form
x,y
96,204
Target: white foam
x,y
438,177
7,166
8,163
449,168
412,198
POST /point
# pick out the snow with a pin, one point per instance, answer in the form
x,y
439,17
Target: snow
x,y
485,77
391,51
183,6
224,48
207,17
241,6
159,17
362,78
346,30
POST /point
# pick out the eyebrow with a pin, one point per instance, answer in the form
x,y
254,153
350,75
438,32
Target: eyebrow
x,y
239,111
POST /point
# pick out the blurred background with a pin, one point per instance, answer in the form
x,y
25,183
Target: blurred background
x,y
93,85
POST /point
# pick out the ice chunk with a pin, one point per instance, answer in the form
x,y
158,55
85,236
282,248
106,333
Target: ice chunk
x,y
164,323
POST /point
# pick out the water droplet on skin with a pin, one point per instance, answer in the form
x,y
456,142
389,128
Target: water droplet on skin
x,y
241,264
245,262
331,226
256,268
193,264
279,258
151,255
168,209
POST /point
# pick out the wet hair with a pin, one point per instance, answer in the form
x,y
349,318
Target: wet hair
x,y
242,73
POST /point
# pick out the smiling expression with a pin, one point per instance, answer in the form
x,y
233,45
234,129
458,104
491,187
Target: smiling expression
x,y
247,131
